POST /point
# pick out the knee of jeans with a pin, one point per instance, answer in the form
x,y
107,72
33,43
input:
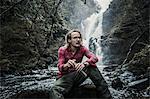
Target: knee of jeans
x,y
54,88
58,89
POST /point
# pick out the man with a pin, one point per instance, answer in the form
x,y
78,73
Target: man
x,y
72,71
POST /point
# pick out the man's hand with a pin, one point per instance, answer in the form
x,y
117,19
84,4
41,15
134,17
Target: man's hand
x,y
70,63
79,66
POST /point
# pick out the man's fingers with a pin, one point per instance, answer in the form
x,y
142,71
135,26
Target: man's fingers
x,y
71,63
79,67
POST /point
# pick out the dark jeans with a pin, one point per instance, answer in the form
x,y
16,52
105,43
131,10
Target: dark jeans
x,y
64,84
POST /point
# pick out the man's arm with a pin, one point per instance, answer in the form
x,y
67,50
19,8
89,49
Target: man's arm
x,y
61,59
92,59
63,67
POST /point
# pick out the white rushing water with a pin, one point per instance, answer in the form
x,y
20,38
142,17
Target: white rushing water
x,y
92,27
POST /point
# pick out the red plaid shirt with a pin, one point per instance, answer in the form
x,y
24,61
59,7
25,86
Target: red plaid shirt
x,y
64,54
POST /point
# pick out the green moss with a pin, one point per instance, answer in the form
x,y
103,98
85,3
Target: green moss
x,y
140,62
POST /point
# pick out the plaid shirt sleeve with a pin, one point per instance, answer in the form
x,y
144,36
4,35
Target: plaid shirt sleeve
x,y
61,58
92,59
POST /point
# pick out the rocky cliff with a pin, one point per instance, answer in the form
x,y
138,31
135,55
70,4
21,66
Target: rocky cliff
x,y
125,30
125,43
31,32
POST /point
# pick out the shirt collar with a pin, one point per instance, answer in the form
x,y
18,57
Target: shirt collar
x,y
69,49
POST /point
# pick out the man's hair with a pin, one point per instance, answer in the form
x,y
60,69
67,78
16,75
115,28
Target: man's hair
x,y
68,35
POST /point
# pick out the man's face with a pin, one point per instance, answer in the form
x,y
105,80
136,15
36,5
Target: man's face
x,y
75,39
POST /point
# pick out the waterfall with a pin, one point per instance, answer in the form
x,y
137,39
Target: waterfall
x,y
91,28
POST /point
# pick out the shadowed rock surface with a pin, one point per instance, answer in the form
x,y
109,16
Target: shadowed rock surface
x,y
125,30
86,91
31,32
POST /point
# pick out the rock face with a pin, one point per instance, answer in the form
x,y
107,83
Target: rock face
x,y
31,33
125,30
125,43
75,11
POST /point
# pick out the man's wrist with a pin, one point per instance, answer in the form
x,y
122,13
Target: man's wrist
x,y
65,67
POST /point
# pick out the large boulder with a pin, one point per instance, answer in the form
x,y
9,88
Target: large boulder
x,y
84,91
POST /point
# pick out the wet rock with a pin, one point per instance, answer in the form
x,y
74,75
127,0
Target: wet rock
x,y
84,91
110,68
127,77
117,84
148,90
139,84
30,94
4,67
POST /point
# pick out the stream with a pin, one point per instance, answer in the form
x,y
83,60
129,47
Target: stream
x,y
11,84
43,80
